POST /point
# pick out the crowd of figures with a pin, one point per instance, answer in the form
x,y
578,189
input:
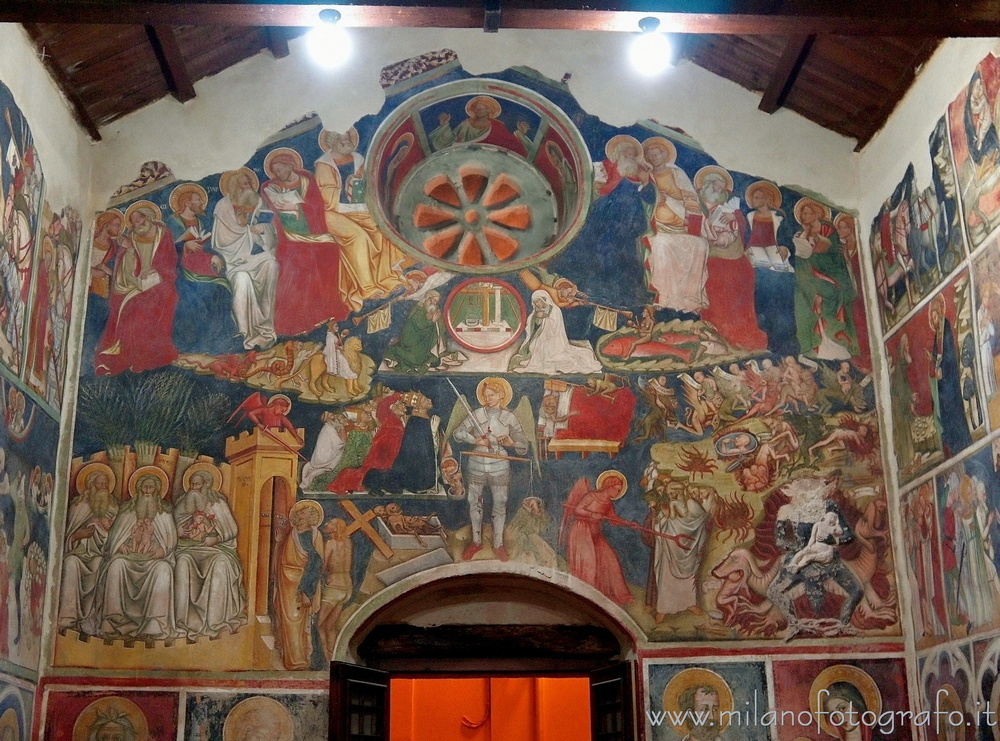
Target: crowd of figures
x,y
145,567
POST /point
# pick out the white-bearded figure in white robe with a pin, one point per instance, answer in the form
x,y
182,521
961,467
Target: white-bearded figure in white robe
x,y
89,522
208,577
546,349
251,268
329,449
677,564
137,584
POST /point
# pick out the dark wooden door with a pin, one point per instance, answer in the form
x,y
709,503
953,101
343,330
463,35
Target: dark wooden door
x,y
359,703
612,703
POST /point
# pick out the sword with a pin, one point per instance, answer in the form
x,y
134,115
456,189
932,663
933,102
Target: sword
x,y
497,456
468,409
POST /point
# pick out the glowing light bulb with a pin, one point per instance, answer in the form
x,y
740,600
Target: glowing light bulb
x,y
329,45
651,51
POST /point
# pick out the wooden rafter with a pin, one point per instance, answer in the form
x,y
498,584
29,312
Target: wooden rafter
x,y
785,71
794,17
276,40
65,84
163,39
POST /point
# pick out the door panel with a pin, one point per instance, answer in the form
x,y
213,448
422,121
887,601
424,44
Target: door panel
x,y
359,703
611,703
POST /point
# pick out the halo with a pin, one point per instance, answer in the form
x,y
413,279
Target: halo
x,y
619,139
281,152
203,467
310,504
227,178
105,706
854,676
493,104
703,173
276,397
843,216
351,133
182,190
106,216
803,202
157,213
10,720
953,703
508,392
693,677
612,474
159,473
774,195
663,143
280,720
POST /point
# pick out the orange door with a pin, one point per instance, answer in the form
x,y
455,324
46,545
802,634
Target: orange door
x,y
490,709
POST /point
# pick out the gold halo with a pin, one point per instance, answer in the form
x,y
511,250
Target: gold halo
x,y
274,398
803,202
663,143
352,134
203,467
106,216
124,706
159,473
508,392
493,104
9,720
845,216
270,708
310,504
281,152
84,473
612,474
699,177
690,677
157,213
618,139
854,676
227,178
774,200
182,190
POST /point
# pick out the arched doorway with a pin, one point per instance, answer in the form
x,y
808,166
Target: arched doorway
x,y
476,622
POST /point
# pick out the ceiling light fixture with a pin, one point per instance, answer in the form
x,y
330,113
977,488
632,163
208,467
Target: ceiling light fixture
x,y
328,43
651,51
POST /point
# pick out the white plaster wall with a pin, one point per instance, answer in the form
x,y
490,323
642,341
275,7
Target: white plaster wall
x,y
63,147
237,109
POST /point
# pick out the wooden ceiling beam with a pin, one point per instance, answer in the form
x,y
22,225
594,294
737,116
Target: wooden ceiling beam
x,y
276,40
748,17
61,78
785,72
163,39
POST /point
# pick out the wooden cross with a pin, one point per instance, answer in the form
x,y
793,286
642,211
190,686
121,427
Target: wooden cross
x,y
362,522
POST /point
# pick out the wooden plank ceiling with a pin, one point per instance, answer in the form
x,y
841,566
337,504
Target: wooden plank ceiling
x,y
842,67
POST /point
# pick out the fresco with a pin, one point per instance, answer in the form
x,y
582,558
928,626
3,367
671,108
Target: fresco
x,y
364,355
972,122
710,701
986,690
967,505
946,689
234,716
916,240
850,701
986,273
932,360
111,714
923,535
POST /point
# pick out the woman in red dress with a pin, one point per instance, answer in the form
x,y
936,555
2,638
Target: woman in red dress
x,y
589,555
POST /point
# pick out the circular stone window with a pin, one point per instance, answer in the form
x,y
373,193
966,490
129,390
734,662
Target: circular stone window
x,y
479,176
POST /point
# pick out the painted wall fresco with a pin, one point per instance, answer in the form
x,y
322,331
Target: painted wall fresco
x,y
233,716
479,325
923,534
936,406
112,714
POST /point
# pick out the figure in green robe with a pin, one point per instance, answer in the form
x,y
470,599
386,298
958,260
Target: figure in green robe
x,y
420,344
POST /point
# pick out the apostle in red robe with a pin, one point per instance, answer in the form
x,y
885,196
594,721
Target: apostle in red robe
x,y
138,335
308,257
385,447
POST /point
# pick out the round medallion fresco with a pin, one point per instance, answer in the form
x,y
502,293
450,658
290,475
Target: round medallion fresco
x,y
479,176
